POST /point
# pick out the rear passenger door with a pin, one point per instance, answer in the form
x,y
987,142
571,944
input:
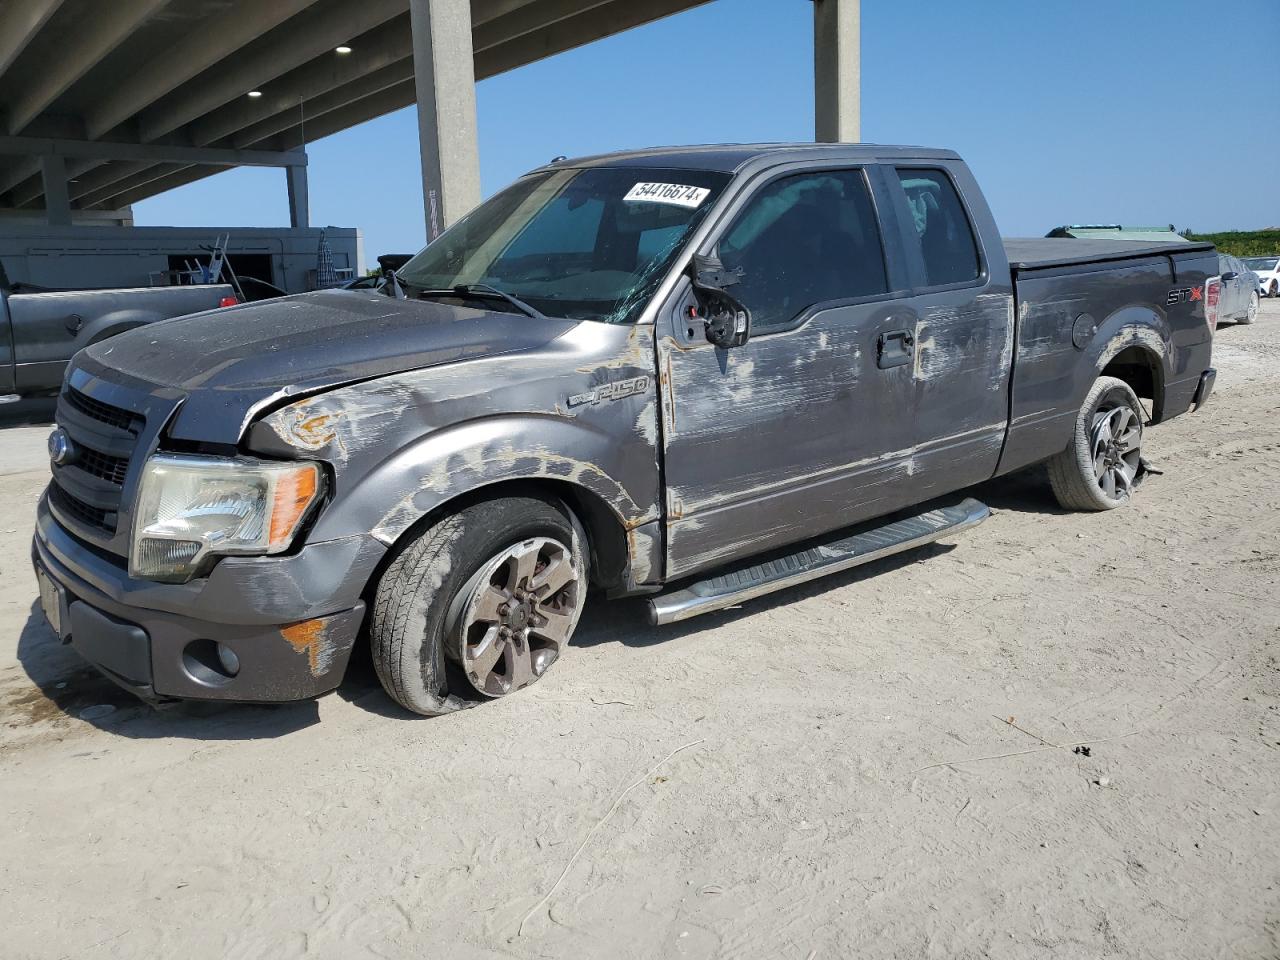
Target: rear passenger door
x,y
800,430
959,316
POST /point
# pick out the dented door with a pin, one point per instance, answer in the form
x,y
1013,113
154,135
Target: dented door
x,y
960,317
804,428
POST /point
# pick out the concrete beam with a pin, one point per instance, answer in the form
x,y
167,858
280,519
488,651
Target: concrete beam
x,y
57,204
369,85
169,178
312,34
204,46
374,50
104,197
20,20
595,23
103,27
33,189
837,71
155,153
444,68
299,203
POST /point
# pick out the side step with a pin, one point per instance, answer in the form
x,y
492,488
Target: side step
x,y
729,589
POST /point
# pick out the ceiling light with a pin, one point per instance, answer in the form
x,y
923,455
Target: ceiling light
x,y
255,93
344,49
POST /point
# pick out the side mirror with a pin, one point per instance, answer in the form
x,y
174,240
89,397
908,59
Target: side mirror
x,y
726,318
1229,275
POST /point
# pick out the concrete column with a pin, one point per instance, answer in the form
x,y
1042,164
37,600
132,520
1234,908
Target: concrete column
x,y
444,74
57,199
837,71
299,205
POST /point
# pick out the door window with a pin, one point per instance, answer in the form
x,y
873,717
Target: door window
x,y
941,227
804,240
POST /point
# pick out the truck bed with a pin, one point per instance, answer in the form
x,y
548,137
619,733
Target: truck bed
x,y
1031,253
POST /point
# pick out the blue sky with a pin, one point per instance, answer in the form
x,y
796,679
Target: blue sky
x,y
1134,111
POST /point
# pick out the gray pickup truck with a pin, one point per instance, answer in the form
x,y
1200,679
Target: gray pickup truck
x,y
689,375
40,329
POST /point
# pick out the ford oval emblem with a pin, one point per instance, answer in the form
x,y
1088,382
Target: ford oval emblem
x,y
61,450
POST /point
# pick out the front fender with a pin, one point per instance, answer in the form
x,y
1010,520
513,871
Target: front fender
x,y
463,458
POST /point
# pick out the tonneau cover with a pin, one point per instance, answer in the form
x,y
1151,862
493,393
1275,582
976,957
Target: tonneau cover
x,y
1033,252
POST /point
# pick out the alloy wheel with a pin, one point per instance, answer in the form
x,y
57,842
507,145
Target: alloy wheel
x,y
522,609
1116,444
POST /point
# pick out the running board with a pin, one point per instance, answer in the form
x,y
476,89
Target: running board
x,y
730,589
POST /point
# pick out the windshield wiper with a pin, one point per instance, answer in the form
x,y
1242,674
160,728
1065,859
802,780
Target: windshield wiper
x,y
483,291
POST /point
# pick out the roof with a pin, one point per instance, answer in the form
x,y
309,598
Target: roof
x,y
731,157
144,76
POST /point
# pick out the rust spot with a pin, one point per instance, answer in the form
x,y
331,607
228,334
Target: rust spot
x,y
309,637
317,430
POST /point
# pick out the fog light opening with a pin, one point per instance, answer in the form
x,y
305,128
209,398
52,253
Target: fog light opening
x,y
210,662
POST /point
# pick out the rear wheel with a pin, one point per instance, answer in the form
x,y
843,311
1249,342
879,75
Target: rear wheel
x,y
1252,311
1101,467
479,605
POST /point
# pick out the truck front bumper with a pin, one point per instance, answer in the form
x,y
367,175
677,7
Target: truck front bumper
x,y
260,629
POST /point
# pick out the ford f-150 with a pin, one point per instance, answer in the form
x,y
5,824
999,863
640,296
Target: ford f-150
x,y
691,375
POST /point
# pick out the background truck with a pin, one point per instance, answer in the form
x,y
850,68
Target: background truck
x,y
694,375
40,329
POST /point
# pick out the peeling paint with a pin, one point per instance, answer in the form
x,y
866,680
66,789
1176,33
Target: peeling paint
x,y
309,637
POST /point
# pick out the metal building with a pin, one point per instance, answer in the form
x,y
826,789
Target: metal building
x,y
107,102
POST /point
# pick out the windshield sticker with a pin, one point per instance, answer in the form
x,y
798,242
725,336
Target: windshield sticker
x,y
676,193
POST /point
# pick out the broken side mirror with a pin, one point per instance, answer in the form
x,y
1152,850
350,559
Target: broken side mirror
x,y
726,318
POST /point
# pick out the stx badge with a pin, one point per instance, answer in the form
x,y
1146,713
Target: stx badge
x,y
608,392
1184,295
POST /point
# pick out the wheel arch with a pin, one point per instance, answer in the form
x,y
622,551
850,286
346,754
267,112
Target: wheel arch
x,y
1135,349
607,536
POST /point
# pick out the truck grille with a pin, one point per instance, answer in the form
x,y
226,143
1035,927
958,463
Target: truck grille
x,y
87,491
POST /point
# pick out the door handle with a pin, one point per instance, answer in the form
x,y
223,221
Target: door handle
x,y
894,349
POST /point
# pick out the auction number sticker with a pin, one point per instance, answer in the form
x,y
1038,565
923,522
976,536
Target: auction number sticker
x,y
677,193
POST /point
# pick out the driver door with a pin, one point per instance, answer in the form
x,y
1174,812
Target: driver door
x,y
808,426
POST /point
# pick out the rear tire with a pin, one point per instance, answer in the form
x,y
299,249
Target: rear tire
x,y
1252,310
1101,466
415,629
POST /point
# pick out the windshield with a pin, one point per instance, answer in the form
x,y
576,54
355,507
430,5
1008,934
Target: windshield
x,y
586,244
1262,263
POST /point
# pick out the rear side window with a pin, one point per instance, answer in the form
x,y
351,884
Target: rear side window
x,y
942,227
804,240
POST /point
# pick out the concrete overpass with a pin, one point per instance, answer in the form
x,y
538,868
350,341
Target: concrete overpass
x,y
107,102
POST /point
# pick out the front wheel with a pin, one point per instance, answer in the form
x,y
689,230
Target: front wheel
x,y
479,605
1252,311
1103,463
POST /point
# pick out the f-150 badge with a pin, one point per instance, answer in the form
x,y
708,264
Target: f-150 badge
x,y
608,392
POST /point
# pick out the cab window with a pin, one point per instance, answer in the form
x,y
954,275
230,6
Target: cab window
x,y
941,227
803,240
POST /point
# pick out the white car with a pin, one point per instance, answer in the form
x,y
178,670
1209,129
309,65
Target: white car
x,y
1268,271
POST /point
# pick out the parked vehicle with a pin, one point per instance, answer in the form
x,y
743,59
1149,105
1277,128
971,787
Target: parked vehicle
x,y
41,328
1268,272
680,374
1238,301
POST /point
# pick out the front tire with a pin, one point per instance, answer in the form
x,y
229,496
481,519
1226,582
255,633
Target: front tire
x,y
1252,311
479,605
1102,465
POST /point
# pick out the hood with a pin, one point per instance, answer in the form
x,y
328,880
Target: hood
x,y
231,363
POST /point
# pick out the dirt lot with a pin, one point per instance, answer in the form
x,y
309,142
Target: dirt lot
x,y
846,783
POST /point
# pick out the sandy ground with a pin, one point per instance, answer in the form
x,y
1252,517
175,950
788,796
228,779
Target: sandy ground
x,y
834,801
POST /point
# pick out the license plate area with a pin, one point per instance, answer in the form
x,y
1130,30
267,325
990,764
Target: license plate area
x,y
53,601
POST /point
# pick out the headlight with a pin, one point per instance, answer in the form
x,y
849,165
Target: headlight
x,y
193,508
